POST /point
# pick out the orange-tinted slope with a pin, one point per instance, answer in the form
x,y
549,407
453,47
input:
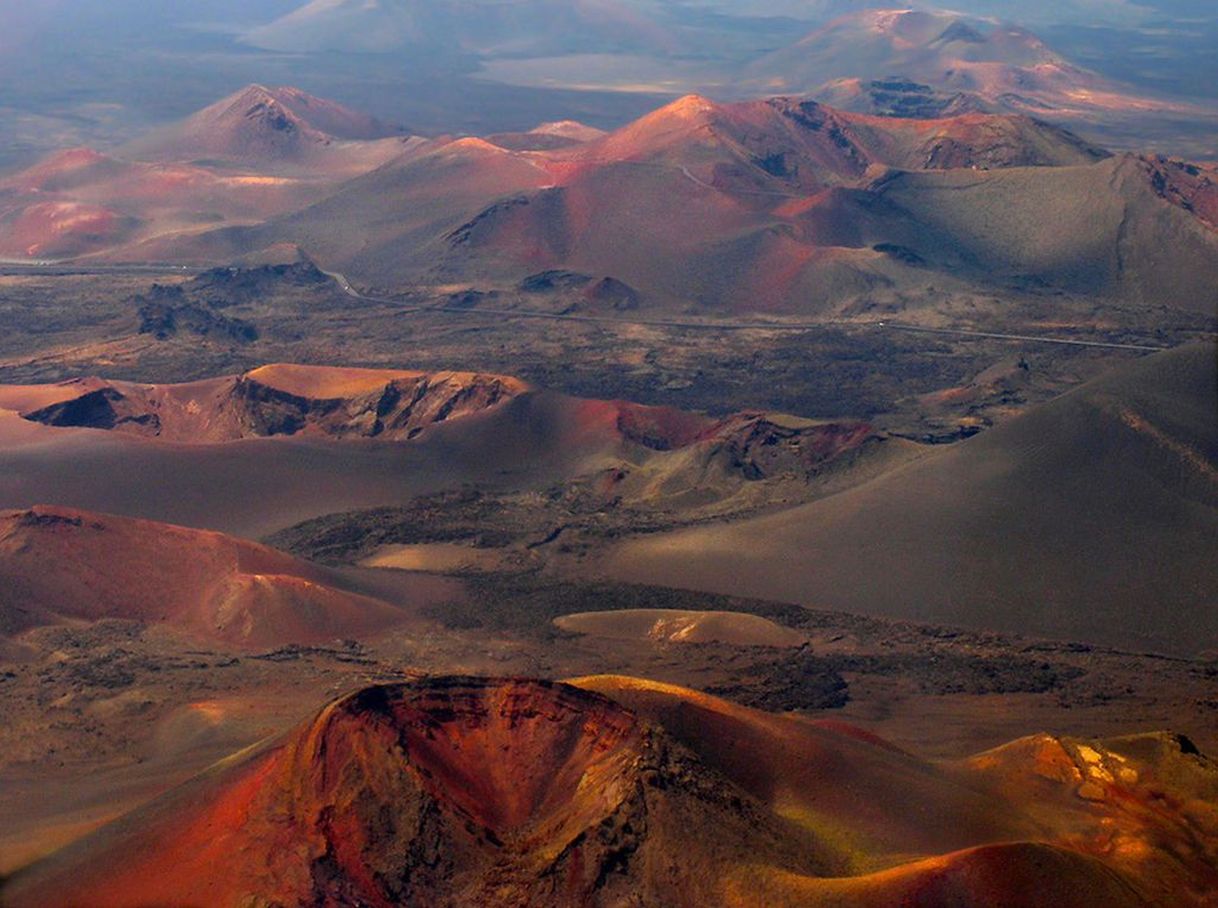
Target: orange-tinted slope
x,y
1146,803
234,480
456,791
800,140
62,566
1043,821
834,781
393,405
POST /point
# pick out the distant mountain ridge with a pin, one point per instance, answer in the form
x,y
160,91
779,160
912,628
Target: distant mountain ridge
x,y
782,205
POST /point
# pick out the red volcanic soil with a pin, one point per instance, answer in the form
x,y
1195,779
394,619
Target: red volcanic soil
x,y
673,445
64,229
658,428
321,114
1020,875
64,566
839,782
278,399
21,398
451,791
251,454
766,444
781,203
461,791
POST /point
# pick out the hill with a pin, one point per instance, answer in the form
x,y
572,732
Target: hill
x,y
450,789
61,565
774,206
256,452
272,127
548,136
944,49
982,831
1088,518
447,791
779,206
278,399
926,63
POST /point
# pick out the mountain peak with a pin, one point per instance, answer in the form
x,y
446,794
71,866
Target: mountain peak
x,y
691,105
685,111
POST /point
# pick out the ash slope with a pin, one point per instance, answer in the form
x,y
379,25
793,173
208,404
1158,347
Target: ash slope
x,y
1092,517
458,790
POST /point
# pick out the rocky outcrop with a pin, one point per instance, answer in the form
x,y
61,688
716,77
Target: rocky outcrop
x,y
400,409
1193,187
760,446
